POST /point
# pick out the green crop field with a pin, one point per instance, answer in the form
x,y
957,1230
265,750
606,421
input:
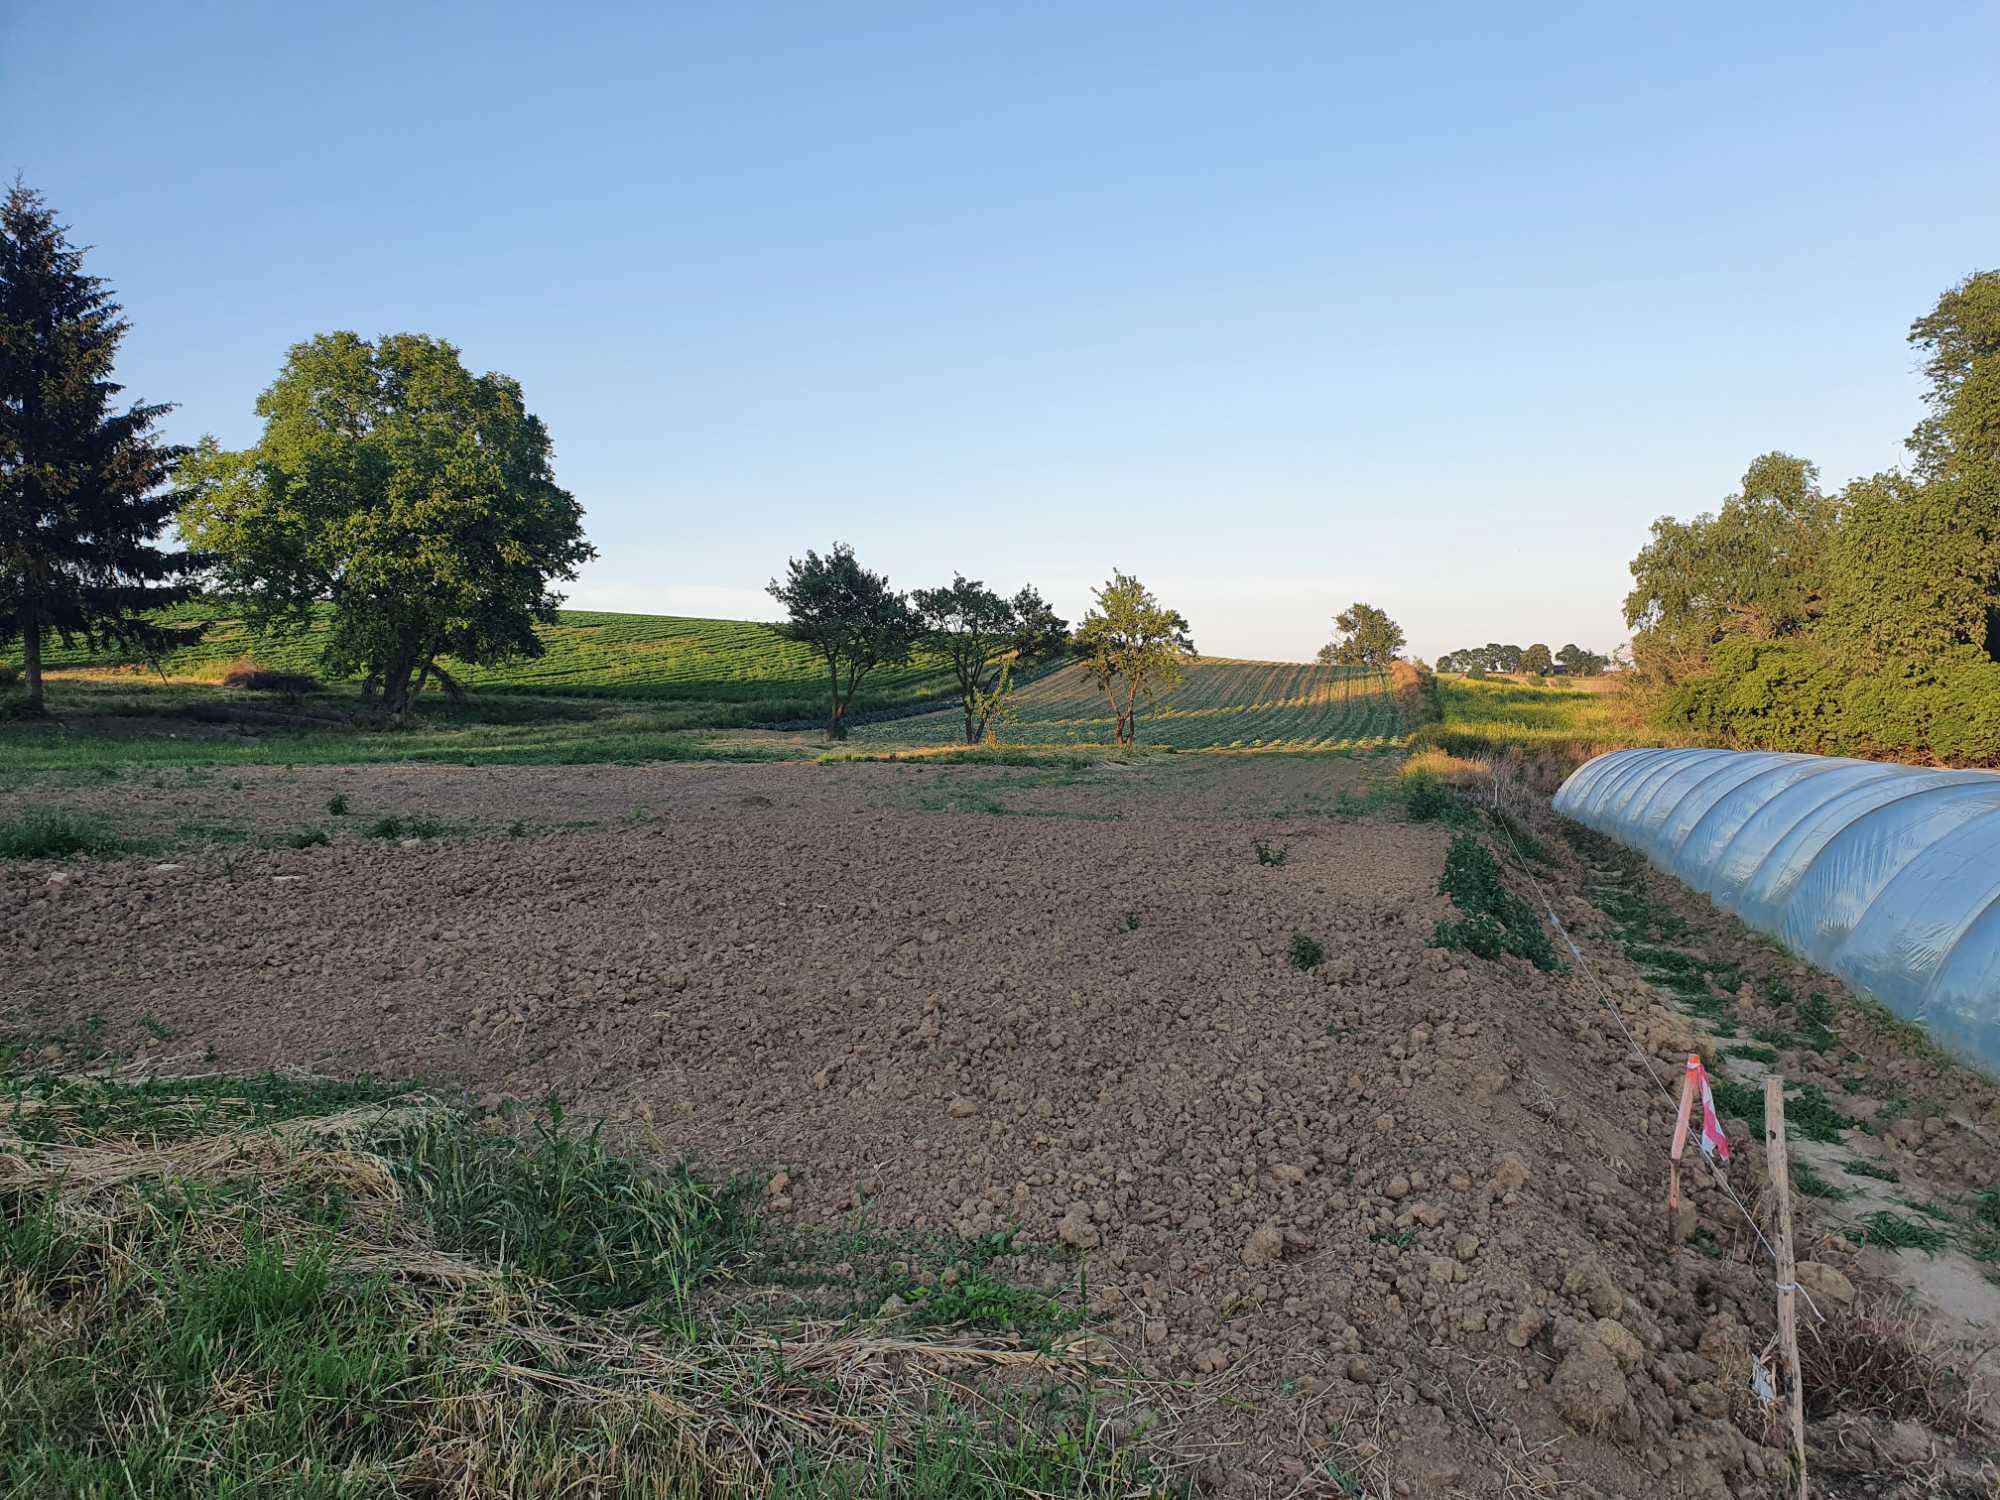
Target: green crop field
x,y
1219,704
660,658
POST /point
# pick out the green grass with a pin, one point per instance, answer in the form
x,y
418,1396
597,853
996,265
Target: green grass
x,y
586,653
1218,704
1812,1185
54,833
1306,952
342,1287
1894,1232
1485,716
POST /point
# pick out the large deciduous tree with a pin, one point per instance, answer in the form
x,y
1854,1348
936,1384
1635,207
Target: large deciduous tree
x,y
1366,637
1756,567
414,500
85,486
986,638
853,621
1536,660
1134,648
1916,570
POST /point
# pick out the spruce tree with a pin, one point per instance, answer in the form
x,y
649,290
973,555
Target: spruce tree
x,y
84,486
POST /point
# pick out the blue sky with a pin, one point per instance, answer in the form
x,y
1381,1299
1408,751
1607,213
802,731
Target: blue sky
x,y
1278,306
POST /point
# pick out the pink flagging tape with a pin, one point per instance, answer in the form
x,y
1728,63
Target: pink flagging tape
x,y
1712,1140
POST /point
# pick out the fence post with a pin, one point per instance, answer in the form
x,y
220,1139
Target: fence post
x,y
1788,1286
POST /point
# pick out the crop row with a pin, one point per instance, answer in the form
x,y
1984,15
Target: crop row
x,y
1217,704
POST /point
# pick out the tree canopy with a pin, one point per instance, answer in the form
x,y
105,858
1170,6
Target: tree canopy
x,y
85,486
1866,622
850,618
412,499
1365,636
1537,660
1135,648
1755,567
986,637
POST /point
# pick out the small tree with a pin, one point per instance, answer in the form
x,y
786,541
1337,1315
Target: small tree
x,y
1536,660
1135,648
1366,637
411,498
83,486
986,638
851,619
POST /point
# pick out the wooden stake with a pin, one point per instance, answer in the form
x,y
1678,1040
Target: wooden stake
x,y
1788,1296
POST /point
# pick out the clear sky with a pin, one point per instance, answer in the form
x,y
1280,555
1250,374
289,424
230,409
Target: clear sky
x,y
1276,305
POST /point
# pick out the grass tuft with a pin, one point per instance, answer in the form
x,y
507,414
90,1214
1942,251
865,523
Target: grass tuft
x,y
1306,953
54,833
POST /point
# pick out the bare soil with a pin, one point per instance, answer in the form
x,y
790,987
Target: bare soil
x,y
1399,1216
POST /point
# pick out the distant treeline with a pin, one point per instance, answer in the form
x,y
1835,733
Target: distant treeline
x,y
1572,660
1862,622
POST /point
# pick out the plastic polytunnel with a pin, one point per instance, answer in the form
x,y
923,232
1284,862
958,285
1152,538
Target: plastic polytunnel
x,y
1886,875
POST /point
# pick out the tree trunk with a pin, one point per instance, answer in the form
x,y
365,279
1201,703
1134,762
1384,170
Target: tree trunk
x,y
31,654
396,687
836,725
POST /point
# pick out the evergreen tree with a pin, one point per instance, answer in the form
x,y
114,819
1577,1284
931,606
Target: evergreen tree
x,y
84,493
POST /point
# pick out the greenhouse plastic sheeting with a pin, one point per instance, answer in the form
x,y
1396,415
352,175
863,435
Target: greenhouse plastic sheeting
x,y
1888,876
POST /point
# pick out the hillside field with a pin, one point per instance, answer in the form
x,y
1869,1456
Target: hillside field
x,y
587,653
1219,704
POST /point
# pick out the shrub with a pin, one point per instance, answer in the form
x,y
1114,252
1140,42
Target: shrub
x,y
307,838
9,676
1273,855
337,804
393,827
1306,952
1427,800
254,677
1790,695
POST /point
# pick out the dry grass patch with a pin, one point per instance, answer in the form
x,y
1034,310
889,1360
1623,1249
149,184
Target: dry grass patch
x,y
215,1287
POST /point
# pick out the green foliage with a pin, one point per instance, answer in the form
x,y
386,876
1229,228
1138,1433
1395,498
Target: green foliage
x,y
984,637
1273,856
598,1229
1365,636
52,833
393,827
968,1292
1482,718
1793,695
1537,661
1811,1184
1578,662
1756,568
849,618
1429,799
307,838
1867,623
417,498
1496,921
213,1335
1894,1232
1305,952
337,804
1134,647
84,487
